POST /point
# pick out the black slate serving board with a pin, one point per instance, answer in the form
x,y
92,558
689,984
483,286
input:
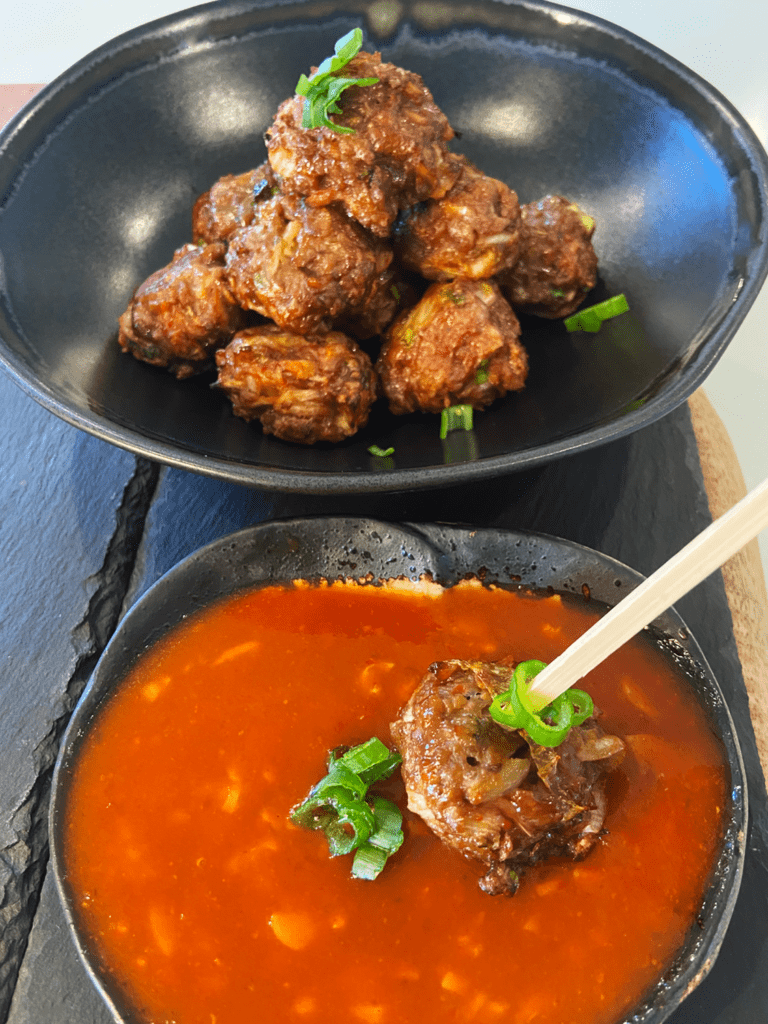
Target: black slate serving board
x,y
85,528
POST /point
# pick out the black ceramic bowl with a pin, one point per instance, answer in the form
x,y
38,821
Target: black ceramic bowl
x,y
344,547
99,172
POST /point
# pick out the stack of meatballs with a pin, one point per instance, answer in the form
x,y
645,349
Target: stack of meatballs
x,y
356,265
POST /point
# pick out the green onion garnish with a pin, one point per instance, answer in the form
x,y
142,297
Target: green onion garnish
x,y
549,725
380,453
385,839
591,318
455,417
351,819
371,762
323,89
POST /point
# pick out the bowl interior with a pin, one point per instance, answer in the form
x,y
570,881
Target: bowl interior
x,y
99,174
337,548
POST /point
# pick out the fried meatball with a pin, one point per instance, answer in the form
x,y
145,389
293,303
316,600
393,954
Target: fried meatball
x,y
473,231
228,204
488,790
304,389
182,312
557,265
304,267
395,156
459,344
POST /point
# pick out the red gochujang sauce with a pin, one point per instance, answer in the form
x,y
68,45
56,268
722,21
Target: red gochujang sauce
x,y
207,906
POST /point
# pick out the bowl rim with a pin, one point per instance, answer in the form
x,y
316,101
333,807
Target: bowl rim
x,y
170,32
257,555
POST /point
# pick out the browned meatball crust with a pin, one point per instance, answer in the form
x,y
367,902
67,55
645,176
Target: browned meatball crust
x,y
396,156
304,389
304,267
229,203
459,344
489,791
182,312
473,231
557,265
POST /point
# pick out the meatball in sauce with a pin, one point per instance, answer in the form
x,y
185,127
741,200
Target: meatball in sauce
x,y
395,156
487,790
182,313
473,231
229,204
557,264
304,389
459,344
304,267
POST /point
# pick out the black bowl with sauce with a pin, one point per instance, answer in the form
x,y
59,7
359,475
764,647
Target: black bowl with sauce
x,y
99,172
340,548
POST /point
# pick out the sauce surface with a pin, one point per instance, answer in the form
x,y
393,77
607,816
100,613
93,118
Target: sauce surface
x,y
208,906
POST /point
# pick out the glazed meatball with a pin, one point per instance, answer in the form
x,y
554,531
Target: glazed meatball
x,y
489,791
395,156
304,389
304,267
182,313
229,204
459,344
473,231
557,265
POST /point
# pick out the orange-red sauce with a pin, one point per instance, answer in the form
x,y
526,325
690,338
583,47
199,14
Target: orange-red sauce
x,y
208,906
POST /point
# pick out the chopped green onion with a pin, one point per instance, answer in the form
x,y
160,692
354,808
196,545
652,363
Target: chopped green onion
x,y
380,453
340,806
324,88
341,775
455,417
368,862
548,725
591,318
346,820
481,374
371,761
385,839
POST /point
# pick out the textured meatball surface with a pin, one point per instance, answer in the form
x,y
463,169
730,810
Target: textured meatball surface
x,y
488,790
557,264
459,344
396,155
229,204
473,231
182,312
304,267
303,389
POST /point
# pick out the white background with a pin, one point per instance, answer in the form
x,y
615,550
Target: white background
x,y
724,41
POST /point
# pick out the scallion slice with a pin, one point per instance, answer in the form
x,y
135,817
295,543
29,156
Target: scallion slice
x,y
346,820
368,862
370,761
385,839
455,417
351,819
591,318
380,453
